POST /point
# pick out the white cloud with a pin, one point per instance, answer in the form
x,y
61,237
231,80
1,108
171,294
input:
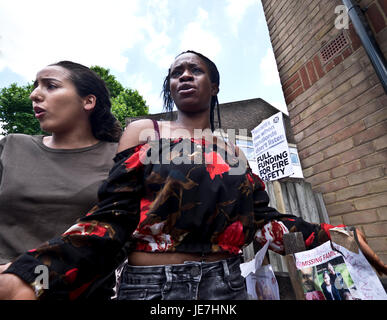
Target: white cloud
x,y
37,33
202,15
268,69
270,82
235,10
196,37
157,49
144,87
111,33
157,26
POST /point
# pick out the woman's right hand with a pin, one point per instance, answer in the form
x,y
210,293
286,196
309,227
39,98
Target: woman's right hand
x,y
14,288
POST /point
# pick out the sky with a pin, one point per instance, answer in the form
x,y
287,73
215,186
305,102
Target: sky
x,y
137,40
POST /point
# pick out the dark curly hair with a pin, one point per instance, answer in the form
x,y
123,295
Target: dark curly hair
x,y
104,124
214,77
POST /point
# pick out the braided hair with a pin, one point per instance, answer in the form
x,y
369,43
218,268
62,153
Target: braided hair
x,y
214,77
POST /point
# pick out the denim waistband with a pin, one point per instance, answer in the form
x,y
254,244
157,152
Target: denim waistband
x,y
187,281
190,267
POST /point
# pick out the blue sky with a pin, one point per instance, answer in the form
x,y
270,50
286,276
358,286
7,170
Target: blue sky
x,y
138,40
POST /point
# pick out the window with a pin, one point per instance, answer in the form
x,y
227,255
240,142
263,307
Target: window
x,y
296,164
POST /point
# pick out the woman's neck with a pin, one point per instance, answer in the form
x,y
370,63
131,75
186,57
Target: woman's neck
x,y
73,140
192,121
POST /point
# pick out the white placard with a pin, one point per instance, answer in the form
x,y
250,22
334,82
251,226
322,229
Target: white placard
x,y
271,149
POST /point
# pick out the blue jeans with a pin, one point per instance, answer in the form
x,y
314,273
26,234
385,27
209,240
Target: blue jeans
x,y
220,280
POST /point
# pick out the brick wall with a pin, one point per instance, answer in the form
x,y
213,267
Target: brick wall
x,y
337,107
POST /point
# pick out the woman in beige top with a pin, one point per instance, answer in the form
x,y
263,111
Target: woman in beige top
x,y
48,181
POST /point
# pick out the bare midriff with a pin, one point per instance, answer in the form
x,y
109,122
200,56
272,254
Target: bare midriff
x,y
139,258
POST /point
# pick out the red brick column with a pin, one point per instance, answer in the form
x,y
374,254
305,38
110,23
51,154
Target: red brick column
x,y
337,107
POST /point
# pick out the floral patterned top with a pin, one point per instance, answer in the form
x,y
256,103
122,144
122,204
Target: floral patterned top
x,y
182,195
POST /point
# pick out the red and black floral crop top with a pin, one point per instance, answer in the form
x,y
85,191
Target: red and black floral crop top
x,y
181,195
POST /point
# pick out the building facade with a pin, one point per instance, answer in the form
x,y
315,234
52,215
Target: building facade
x,y
337,106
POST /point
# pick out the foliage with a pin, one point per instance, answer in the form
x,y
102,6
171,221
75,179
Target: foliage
x,y
112,84
16,112
133,100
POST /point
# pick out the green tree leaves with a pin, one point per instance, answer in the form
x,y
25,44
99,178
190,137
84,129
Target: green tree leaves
x,y
16,112
125,98
112,84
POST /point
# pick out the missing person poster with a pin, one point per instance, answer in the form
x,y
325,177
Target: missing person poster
x,y
271,149
261,283
332,272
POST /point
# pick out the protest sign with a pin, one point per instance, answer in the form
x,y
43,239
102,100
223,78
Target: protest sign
x,y
271,149
332,272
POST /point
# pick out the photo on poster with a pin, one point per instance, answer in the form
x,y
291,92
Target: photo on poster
x,y
332,272
335,281
309,281
328,281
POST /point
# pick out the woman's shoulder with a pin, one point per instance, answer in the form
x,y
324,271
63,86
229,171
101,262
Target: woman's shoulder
x,y
137,132
20,138
141,122
138,126
14,142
